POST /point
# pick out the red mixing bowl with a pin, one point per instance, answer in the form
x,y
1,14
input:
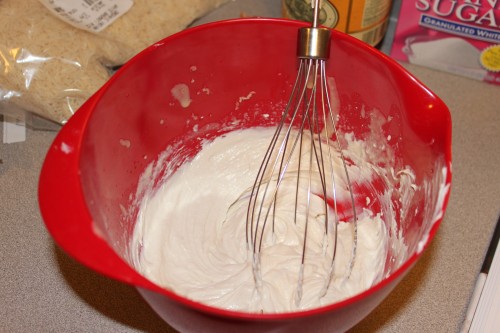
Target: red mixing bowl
x,y
92,169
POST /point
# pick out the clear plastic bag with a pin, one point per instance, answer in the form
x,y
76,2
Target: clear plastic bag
x,y
49,67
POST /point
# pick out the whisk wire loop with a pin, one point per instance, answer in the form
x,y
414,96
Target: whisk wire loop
x,y
259,180
281,158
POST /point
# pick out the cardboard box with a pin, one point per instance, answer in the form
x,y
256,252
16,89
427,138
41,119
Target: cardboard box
x,y
456,36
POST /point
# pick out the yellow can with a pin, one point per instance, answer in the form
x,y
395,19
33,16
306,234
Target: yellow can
x,y
364,19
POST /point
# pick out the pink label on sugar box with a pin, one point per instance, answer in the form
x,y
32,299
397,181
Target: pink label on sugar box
x,y
456,36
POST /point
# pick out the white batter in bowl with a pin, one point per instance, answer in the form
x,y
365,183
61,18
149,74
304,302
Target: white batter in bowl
x,y
190,232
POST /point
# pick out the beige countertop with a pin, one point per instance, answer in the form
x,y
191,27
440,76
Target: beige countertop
x,y
44,290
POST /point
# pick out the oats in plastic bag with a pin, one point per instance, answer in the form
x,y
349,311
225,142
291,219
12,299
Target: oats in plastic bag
x,y
50,67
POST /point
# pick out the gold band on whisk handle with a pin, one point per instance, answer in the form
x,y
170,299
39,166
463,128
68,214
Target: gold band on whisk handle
x,y
313,43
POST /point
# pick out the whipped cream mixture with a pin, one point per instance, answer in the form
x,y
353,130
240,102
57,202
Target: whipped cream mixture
x,y
190,233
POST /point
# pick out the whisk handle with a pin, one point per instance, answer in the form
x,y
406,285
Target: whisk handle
x,y
313,43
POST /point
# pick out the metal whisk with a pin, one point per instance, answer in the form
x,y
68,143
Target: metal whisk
x,y
307,125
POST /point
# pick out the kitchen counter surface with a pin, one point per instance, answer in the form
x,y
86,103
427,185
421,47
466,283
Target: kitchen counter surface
x,y
44,290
